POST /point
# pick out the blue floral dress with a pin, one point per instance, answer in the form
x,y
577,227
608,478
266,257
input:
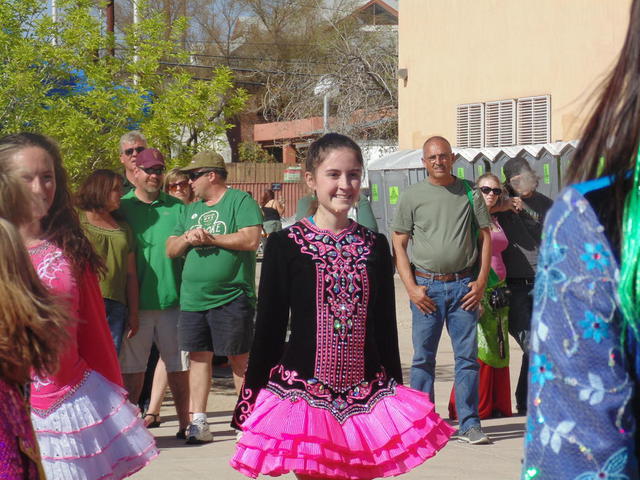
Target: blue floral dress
x,y
583,393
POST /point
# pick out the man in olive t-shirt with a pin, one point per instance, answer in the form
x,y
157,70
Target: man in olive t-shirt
x,y
438,215
219,235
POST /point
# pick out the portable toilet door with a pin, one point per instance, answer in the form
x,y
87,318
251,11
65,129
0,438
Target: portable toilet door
x,y
566,157
463,169
376,198
497,166
481,165
394,183
547,169
417,175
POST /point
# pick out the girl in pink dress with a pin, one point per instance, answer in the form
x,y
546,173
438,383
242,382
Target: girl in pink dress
x,y
85,426
330,403
32,333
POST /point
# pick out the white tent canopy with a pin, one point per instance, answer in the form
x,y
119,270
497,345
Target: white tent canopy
x,y
413,158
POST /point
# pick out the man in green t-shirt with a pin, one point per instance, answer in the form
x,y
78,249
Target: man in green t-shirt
x,y
219,234
152,215
443,219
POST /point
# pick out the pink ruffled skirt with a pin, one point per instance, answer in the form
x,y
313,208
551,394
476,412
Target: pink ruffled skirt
x,y
95,433
398,434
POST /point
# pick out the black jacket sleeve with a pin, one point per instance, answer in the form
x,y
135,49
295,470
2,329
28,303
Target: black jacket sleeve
x,y
384,311
271,326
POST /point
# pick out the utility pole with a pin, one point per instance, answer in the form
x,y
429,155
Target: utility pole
x,y
110,26
136,20
54,18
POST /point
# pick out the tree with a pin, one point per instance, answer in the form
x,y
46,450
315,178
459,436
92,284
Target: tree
x,y
58,78
281,49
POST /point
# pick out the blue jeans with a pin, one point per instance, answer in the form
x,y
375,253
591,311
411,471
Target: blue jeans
x,y
117,319
462,328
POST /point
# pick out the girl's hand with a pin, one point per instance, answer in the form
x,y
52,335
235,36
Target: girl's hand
x,y
134,324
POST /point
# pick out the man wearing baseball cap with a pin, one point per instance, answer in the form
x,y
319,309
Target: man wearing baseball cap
x,y
219,234
152,215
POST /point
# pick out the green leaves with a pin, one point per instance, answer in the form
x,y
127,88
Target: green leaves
x,y
58,78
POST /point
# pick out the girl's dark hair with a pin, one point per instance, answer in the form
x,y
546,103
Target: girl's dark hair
x,y
319,149
94,192
613,131
61,225
266,196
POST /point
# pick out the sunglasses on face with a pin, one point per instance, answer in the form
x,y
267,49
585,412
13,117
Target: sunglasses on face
x,y
153,170
129,151
488,190
178,185
193,176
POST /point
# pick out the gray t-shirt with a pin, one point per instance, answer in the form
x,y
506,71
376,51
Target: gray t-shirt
x,y
439,220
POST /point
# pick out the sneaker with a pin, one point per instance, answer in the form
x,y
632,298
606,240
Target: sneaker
x,y
198,432
181,434
474,436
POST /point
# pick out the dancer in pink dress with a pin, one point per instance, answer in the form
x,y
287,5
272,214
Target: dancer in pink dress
x,y
330,402
85,426
32,334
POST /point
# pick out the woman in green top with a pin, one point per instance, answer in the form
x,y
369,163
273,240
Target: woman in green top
x,y
97,200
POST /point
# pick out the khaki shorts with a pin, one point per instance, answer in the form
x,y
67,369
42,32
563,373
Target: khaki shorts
x,y
159,327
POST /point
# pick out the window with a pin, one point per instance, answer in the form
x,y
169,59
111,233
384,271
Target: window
x,y
499,123
503,123
534,124
470,120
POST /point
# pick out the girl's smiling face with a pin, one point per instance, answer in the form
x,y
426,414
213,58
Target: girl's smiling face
x,y
336,181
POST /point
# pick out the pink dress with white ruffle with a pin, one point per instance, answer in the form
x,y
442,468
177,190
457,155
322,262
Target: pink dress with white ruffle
x,y
329,401
85,426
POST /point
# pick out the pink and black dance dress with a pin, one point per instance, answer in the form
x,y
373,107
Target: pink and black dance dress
x,y
85,426
330,401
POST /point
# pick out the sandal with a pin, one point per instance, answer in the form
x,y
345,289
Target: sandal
x,y
155,423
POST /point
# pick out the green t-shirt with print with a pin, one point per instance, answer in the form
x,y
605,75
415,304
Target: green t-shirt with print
x,y
214,276
439,220
152,223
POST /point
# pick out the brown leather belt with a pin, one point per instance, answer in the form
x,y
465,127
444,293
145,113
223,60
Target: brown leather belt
x,y
445,277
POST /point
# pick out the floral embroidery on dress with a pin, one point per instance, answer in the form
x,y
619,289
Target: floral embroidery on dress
x,y
342,297
580,390
356,399
595,256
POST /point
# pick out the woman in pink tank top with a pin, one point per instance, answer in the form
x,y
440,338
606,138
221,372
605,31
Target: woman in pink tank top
x,y
494,390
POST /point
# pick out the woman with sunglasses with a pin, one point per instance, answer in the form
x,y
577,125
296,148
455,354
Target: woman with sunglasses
x,y
494,391
176,184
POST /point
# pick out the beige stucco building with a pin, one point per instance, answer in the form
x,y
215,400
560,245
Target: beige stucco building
x,y
499,72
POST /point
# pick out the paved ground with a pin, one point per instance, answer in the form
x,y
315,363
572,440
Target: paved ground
x,y
499,461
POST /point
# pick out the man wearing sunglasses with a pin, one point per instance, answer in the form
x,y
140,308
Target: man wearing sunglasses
x,y
219,234
131,144
152,215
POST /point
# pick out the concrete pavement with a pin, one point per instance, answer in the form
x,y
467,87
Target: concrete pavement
x,y
499,461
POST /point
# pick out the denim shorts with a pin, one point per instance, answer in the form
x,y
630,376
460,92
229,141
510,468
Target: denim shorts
x,y
224,330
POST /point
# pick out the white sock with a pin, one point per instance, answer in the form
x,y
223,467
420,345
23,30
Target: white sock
x,y
199,417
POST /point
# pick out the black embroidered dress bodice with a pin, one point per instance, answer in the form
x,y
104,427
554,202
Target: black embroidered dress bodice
x,y
337,290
